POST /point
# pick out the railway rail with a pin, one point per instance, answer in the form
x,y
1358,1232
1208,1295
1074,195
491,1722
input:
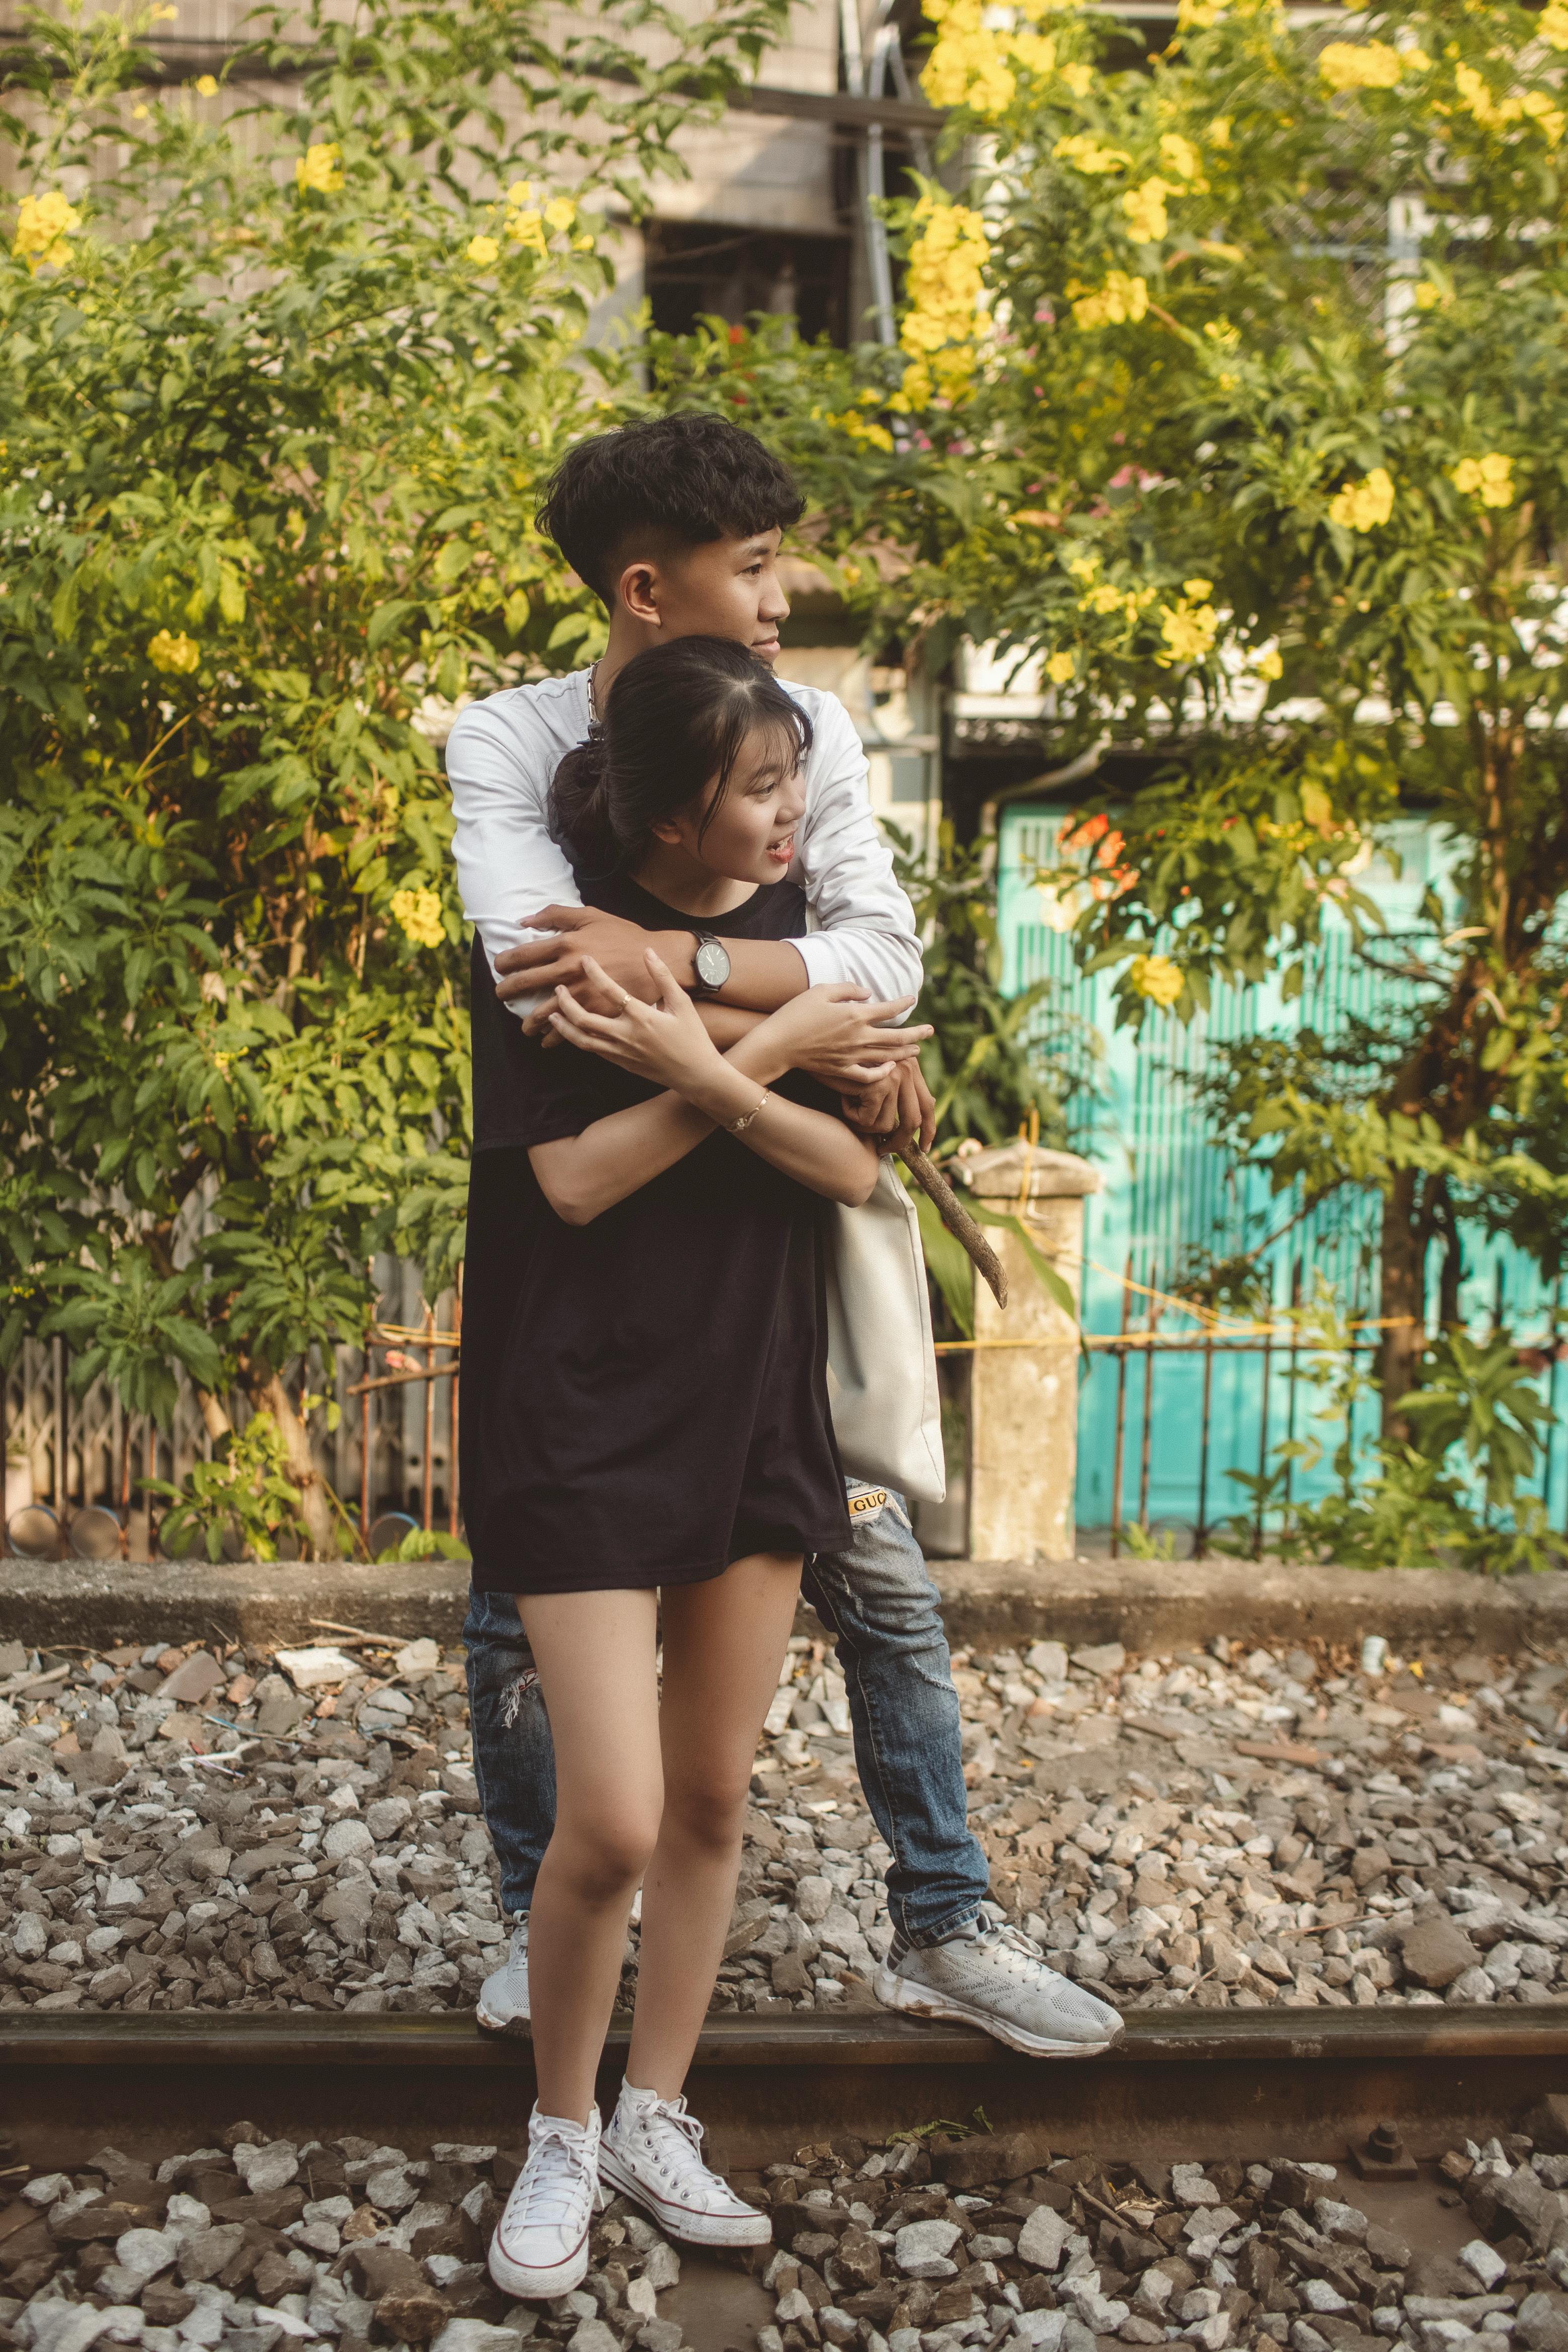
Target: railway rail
x,y
1215,2082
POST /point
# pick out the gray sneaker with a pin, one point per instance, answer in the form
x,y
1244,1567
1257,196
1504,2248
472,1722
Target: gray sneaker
x,y
504,1996
993,1978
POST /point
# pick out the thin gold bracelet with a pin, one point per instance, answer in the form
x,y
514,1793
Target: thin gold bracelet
x,y
739,1126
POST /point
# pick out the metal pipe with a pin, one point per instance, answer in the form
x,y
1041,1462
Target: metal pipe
x,y
1121,1354
1201,1534
428,1482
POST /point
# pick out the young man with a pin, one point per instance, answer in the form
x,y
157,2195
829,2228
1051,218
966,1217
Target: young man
x,y
676,524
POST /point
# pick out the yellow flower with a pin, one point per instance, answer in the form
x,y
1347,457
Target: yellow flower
x,y
1145,209
1104,599
1491,478
1086,154
482,250
1179,155
560,214
43,224
1363,506
1060,668
967,66
1360,65
1553,24
1121,299
1078,78
319,169
519,192
1157,977
1188,631
862,428
1191,16
1269,664
1537,107
1083,567
1219,131
206,86
419,912
1427,296
527,228
1490,112
945,286
175,653
1198,588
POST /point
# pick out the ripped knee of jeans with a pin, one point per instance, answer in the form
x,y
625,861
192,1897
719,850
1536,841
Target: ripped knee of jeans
x,y
514,1697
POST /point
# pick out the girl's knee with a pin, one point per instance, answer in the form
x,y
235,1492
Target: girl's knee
x,y
710,1813
605,1859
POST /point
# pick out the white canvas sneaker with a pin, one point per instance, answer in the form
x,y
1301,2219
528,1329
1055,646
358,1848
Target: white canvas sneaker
x,y
540,2245
993,1978
652,2153
504,1996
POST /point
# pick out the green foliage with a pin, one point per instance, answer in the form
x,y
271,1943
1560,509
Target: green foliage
x,y
243,1498
1266,461
277,392
995,1065
424,1543
1411,1504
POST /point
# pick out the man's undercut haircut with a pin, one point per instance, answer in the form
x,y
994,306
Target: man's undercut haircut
x,y
671,482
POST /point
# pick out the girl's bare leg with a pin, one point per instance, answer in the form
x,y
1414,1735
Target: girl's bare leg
x,y
723,1643
594,1652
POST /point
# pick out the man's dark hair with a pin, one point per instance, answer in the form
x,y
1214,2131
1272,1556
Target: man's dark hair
x,y
686,480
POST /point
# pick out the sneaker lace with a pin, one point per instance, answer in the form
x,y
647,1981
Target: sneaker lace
x,y
555,2181
679,2138
1012,1949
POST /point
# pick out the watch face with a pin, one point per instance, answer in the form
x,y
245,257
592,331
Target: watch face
x,y
713,964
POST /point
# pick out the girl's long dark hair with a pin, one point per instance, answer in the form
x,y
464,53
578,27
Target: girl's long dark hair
x,y
676,719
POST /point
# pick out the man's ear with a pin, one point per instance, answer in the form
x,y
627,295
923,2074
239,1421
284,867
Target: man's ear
x,y
637,592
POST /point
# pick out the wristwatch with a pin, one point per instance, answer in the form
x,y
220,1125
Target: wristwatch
x,y
712,966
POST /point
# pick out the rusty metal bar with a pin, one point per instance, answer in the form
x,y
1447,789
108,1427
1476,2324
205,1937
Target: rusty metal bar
x,y
453,1518
1291,1384
1181,2082
1200,1535
1148,1423
1262,1451
1120,1425
426,1483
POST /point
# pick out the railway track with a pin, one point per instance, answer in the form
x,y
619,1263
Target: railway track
x,y
1215,2082
205,2138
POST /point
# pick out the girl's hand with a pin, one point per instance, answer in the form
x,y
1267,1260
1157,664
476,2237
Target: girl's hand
x,y
664,1043
836,1033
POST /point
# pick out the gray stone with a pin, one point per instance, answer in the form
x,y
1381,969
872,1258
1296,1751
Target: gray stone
x,y
1543,2321
476,2336
345,1839
1484,2261
1104,1658
921,2248
1191,2186
1042,2238
273,2166
1436,1951
593,2335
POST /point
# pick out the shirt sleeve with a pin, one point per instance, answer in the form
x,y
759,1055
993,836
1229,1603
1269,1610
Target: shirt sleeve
x,y
868,933
507,866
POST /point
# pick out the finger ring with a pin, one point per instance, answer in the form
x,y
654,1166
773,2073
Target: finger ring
x,y
626,999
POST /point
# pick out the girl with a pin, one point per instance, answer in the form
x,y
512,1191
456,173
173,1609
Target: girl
x,y
645,1353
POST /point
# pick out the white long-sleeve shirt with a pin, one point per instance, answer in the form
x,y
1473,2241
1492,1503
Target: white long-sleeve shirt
x,y
504,750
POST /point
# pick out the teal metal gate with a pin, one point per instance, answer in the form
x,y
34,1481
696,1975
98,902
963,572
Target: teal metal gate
x,y
1171,1192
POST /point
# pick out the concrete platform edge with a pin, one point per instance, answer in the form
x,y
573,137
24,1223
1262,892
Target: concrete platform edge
x,y
1150,1605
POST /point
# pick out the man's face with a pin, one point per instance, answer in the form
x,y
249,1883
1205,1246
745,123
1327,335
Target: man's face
x,y
725,588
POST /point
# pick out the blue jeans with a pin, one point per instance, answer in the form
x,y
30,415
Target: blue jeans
x,y
880,1604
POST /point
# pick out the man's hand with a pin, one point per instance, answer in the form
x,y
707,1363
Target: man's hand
x,y
897,1110
582,935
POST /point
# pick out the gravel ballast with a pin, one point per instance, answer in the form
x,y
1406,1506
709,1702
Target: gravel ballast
x,y
246,1828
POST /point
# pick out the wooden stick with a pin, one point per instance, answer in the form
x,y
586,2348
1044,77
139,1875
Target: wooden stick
x,y
956,1218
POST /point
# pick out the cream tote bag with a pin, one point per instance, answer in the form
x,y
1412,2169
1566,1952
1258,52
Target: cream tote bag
x,y
881,1365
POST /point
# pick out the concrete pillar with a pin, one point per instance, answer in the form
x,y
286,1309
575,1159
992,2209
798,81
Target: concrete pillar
x,y
1023,1399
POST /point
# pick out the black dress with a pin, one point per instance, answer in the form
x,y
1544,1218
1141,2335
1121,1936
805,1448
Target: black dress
x,y
644,1398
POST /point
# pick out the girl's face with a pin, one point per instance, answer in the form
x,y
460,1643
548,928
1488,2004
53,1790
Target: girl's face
x,y
750,837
